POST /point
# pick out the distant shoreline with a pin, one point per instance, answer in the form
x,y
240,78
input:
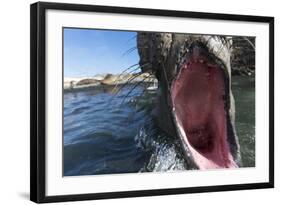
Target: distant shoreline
x,y
73,83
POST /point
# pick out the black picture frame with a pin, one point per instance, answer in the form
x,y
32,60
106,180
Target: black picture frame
x,y
38,101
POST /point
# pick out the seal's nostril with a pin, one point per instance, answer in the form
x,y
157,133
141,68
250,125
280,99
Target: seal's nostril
x,y
199,52
196,52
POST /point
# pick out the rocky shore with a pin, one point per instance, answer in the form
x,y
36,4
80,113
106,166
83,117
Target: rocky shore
x,y
105,79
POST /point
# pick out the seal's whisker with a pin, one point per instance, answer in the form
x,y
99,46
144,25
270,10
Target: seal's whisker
x,y
118,87
129,51
134,37
134,87
247,39
126,83
142,93
132,71
130,67
250,43
119,76
130,79
125,70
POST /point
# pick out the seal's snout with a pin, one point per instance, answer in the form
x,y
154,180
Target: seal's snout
x,y
198,53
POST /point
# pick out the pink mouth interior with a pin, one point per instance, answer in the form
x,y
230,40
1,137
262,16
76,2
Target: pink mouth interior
x,y
198,95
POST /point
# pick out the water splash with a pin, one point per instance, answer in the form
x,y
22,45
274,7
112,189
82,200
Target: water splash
x,y
164,152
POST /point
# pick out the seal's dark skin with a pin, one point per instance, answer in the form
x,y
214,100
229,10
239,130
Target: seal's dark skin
x,y
178,62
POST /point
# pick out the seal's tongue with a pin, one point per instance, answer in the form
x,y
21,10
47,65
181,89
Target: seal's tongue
x,y
198,96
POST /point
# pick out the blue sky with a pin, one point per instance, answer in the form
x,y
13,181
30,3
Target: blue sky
x,y
88,51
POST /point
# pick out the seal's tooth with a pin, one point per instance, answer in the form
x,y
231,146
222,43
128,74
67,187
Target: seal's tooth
x,y
201,61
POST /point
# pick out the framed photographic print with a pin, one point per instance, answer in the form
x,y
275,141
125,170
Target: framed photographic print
x,y
129,102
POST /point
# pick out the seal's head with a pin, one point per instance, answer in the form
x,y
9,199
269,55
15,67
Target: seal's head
x,y
195,100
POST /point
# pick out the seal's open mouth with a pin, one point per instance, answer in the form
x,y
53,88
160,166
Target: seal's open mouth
x,y
199,100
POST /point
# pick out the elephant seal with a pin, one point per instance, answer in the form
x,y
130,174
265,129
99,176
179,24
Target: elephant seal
x,y
195,101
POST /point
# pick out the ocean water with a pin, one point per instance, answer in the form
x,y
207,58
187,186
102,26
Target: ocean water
x,y
107,133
